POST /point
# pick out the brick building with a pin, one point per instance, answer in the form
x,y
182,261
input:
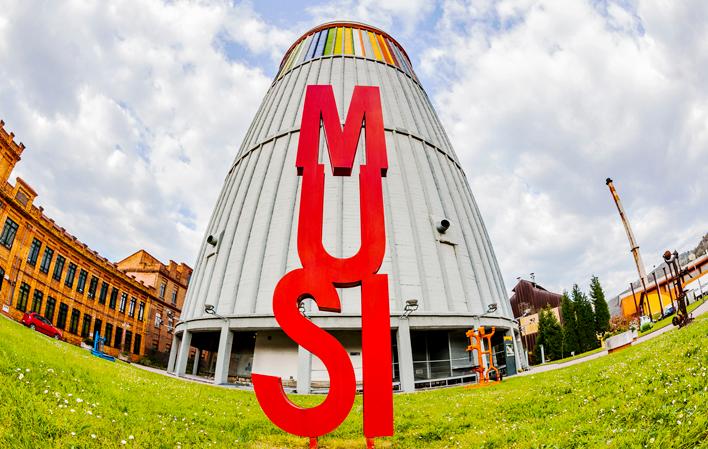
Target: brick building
x,y
45,269
170,284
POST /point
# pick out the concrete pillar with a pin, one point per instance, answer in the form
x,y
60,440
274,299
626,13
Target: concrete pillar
x,y
304,370
173,354
183,354
405,356
223,357
195,367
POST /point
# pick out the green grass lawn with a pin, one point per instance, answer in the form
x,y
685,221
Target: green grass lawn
x,y
53,395
667,321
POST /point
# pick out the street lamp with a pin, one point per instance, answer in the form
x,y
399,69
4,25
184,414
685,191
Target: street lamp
x,y
410,307
211,310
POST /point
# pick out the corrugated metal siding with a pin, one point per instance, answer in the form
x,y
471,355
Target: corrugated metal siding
x,y
258,206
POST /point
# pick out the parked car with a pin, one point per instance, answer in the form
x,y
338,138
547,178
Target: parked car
x,y
668,311
35,321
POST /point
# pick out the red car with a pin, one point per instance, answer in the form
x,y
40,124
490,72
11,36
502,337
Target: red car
x,y
35,321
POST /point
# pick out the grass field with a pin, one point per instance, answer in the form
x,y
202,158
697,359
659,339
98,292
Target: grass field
x,y
53,395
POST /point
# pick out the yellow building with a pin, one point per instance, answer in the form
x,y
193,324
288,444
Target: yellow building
x,y
658,299
45,269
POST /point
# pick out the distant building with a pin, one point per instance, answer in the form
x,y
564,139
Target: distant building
x,y
170,283
45,269
526,303
657,299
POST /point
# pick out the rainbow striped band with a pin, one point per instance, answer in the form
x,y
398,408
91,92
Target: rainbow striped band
x,y
346,39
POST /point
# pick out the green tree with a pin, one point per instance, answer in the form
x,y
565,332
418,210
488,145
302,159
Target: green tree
x,y
570,326
585,320
599,305
550,335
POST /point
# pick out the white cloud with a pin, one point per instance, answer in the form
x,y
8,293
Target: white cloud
x,y
545,99
130,112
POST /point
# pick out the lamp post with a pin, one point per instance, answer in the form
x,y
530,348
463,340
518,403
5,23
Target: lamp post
x,y
211,310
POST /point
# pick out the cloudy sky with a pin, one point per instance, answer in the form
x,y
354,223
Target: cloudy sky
x,y
132,110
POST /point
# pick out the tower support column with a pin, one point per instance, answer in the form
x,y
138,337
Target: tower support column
x,y
195,366
183,354
405,356
304,370
173,354
223,356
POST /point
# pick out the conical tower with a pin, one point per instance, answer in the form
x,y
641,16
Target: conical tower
x,y
442,271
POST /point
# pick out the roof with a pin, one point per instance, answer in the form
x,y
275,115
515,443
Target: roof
x,y
531,295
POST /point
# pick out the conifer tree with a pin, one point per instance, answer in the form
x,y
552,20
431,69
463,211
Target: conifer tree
x,y
550,335
570,329
585,320
599,305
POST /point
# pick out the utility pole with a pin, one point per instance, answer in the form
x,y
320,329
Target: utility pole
x,y
632,243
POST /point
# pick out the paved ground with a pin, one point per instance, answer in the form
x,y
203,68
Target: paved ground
x,y
703,308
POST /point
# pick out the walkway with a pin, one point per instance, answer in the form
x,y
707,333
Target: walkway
x,y
703,308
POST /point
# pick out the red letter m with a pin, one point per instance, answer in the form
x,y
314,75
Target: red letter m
x,y
320,107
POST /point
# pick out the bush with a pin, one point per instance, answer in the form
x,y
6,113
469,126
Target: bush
x,y
645,327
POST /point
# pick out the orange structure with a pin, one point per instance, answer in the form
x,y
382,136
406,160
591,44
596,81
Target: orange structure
x,y
477,343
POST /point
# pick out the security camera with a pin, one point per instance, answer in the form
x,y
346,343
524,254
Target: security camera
x,y
212,240
443,225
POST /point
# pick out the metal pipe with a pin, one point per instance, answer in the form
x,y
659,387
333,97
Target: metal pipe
x,y
658,292
668,287
634,247
634,296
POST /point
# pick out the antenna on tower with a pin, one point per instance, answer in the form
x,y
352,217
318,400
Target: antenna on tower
x,y
632,244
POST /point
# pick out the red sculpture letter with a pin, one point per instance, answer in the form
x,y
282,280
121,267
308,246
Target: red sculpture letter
x,y
322,273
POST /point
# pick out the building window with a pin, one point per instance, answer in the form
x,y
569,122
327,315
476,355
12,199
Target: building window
x,y
83,274
118,338
141,311
123,302
104,291
34,252
74,323
163,287
114,298
70,275
2,276
46,260
8,233
138,343
23,297
174,296
49,309
86,326
109,334
61,318
158,320
58,267
92,287
128,341
131,311
37,301
97,323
